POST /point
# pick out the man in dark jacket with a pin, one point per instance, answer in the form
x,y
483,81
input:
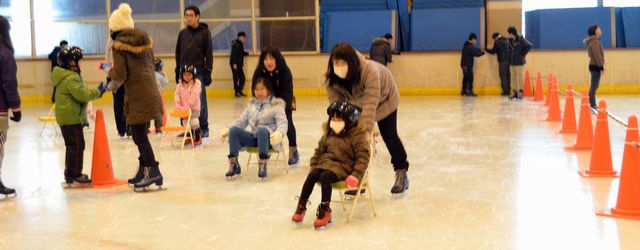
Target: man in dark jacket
x,y
381,49
500,48
518,49
469,51
194,47
53,57
236,60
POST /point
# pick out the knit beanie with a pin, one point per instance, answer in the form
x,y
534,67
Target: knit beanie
x,y
121,18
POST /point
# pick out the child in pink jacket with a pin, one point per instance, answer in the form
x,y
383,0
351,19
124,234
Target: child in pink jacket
x,y
188,96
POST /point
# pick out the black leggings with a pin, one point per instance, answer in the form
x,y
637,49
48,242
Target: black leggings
x,y
291,131
74,150
389,132
325,177
139,133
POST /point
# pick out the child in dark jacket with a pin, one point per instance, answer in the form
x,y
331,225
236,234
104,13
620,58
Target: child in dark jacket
x,y
342,153
72,97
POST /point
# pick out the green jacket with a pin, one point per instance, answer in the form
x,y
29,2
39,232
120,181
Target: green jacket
x,y
71,97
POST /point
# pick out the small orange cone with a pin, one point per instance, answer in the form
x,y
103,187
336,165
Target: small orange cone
x,y
600,164
554,105
628,204
569,118
549,83
539,95
527,84
584,140
101,167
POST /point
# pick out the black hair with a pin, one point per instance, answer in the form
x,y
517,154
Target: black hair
x,y
265,82
592,30
63,43
193,8
513,31
497,34
241,33
5,37
274,52
344,51
388,36
472,36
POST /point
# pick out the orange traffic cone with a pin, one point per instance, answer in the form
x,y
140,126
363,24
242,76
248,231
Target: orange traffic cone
x,y
584,140
539,95
600,164
527,84
569,118
101,167
554,105
549,83
628,204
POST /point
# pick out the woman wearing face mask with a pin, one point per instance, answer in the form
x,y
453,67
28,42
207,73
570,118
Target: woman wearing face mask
x,y
370,85
273,67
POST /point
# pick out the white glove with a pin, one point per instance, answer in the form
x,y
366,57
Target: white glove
x,y
275,138
224,134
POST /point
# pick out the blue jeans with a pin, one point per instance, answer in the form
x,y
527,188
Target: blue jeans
x,y
204,114
239,138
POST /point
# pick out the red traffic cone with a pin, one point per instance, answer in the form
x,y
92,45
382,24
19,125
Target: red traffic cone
x,y
584,141
101,167
600,164
628,204
569,118
539,95
554,105
527,84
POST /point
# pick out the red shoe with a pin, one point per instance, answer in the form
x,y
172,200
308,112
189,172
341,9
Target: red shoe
x,y
187,142
324,216
198,142
299,215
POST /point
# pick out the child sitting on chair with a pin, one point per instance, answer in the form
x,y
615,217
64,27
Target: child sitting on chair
x,y
342,153
188,96
267,123
162,81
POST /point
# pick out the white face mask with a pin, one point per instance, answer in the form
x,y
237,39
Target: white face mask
x,y
341,71
336,126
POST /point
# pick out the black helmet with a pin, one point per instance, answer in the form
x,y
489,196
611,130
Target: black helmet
x,y
189,68
349,113
158,63
69,54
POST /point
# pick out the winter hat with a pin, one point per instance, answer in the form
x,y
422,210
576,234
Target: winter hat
x,y
121,18
592,30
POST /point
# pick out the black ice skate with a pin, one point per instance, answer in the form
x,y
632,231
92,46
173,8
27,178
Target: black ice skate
x,y
402,182
262,168
7,193
294,156
152,175
138,177
77,182
234,167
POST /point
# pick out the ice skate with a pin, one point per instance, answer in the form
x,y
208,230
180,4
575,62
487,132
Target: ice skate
x,y
152,175
323,219
262,168
401,184
138,177
78,182
298,216
7,193
294,156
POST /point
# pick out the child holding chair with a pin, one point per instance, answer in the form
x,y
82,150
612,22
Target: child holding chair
x,y
188,96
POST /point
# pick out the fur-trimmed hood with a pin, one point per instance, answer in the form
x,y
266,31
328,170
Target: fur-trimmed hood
x,y
135,41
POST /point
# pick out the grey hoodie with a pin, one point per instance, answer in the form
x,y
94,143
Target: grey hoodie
x,y
596,53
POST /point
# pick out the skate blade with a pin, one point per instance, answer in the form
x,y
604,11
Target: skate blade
x,y
400,195
148,189
325,227
233,177
73,185
6,197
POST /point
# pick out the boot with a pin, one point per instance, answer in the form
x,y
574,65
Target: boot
x,y
152,175
470,92
138,177
515,95
298,216
323,215
262,167
5,190
402,182
81,179
520,94
294,157
234,166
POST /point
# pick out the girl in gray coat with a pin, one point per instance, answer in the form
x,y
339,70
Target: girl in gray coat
x,y
370,85
596,62
263,123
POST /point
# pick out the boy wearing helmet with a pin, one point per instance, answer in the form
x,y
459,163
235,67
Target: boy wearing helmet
x,y
72,96
342,152
188,96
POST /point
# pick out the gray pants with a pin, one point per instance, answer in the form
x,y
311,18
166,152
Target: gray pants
x,y
516,77
505,77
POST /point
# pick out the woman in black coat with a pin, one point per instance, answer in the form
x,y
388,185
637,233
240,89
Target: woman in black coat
x,y
273,67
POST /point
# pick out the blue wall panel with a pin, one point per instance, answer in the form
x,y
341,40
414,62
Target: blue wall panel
x,y
567,28
439,4
443,29
631,26
358,28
